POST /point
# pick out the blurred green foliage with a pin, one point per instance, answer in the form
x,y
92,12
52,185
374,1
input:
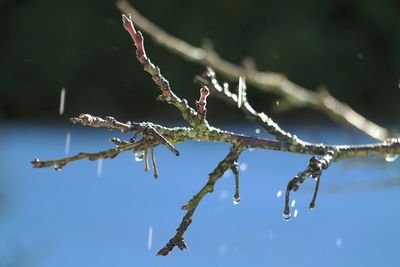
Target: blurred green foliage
x,y
351,47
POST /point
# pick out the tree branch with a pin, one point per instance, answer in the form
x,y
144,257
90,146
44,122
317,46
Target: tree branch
x,y
209,79
292,94
154,135
223,166
176,135
188,113
314,170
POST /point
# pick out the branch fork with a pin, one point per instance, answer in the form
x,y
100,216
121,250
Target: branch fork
x,y
314,170
154,135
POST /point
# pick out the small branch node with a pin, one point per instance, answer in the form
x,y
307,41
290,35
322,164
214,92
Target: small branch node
x,y
85,119
118,142
179,242
151,131
36,162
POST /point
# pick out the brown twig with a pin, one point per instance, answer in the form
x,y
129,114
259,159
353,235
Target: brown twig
x,y
146,160
147,130
181,134
110,153
209,79
201,104
314,170
235,170
188,113
178,239
153,161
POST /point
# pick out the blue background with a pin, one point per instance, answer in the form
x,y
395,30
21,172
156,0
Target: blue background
x,y
75,218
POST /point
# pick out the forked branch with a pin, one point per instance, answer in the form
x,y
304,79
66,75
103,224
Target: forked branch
x,y
153,135
293,95
314,170
191,206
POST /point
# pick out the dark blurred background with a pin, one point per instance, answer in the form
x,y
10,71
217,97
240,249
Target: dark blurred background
x,y
100,213
350,47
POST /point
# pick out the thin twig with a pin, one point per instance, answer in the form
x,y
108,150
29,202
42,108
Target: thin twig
x,y
178,239
146,160
235,170
181,134
314,170
188,113
153,161
312,203
209,79
110,153
145,129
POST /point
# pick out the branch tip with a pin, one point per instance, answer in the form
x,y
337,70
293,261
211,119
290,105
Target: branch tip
x,y
201,104
241,91
235,169
314,170
153,160
137,38
146,161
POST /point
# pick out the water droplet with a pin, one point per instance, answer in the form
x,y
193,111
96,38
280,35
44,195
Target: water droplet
x,y
258,131
227,174
293,203
277,102
339,242
223,195
62,101
243,167
236,200
139,156
360,56
240,92
286,217
223,249
150,238
67,143
279,194
270,234
391,158
57,168
99,167
295,213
